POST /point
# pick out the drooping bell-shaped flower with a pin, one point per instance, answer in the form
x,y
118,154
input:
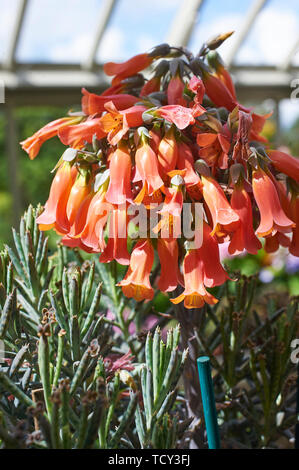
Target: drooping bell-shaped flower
x,y
218,92
175,91
79,192
167,152
170,223
147,167
272,216
170,275
136,283
80,219
119,190
99,209
222,215
222,73
195,293
54,215
151,86
244,237
185,161
116,248
213,271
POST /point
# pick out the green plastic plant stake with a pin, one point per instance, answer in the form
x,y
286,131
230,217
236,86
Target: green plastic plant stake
x,y
208,401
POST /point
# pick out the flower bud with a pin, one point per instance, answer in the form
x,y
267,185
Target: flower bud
x,y
216,41
160,51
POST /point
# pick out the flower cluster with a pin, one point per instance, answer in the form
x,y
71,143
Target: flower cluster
x,y
176,135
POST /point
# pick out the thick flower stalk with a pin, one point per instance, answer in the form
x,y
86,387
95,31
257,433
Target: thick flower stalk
x,y
174,138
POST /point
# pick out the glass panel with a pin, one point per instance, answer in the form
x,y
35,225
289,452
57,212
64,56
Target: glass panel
x,y
58,31
135,27
273,34
8,10
218,17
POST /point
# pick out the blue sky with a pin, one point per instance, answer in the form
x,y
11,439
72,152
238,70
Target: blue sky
x,y
62,30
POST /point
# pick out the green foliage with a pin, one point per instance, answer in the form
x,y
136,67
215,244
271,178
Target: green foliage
x,y
33,190
291,138
249,342
67,382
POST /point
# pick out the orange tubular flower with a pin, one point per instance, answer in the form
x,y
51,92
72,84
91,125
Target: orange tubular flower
x,y
175,91
244,237
195,294
80,190
116,123
33,144
218,92
136,283
95,104
151,86
170,273
54,215
273,218
117,239
167,152
222,73
223,216
80,219
147,168
171,211
285,163
208,254
128,68
92,234
119,190
226,78
185,162
76,136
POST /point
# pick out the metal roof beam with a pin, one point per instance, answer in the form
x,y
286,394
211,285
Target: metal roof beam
x,y
183,23
12,47
63,87
254,10
105,15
